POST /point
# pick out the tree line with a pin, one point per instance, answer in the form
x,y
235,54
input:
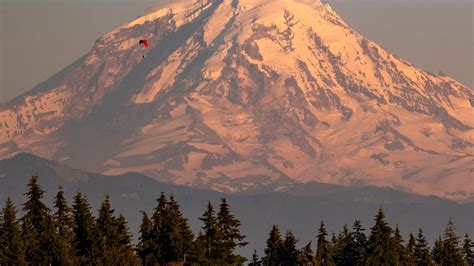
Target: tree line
x,y
73,235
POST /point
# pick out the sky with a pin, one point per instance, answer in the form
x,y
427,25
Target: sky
x,y
40,37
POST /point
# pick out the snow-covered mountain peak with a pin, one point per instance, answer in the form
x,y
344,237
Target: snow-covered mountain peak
x,y
239,94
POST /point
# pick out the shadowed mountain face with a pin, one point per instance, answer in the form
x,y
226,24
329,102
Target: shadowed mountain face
x,y
300,207
234,95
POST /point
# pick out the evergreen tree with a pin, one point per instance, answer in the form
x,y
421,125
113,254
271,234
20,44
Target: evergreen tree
x,y
105,235
360,242
411,244
274,248
55,249
198,252
231,236
145,247
112,244
159,212
338,247
186,235
381,249
64,226
468,254
323,251
404,256
421,251
212,235
305,256
289,253
83,229
158,219
169,240
437,252
123,247
11,244
451,254
333,239
175,234
345,249
43,244
255,259
33,223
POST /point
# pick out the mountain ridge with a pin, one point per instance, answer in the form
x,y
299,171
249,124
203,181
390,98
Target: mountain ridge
x,y
33,164
212,104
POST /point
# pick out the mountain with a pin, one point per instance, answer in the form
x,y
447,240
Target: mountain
x,y
300,209
235,95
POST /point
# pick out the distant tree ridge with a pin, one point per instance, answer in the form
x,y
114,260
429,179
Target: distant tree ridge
x,y
75,236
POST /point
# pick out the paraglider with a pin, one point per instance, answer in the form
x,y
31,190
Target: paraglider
x,y
143,42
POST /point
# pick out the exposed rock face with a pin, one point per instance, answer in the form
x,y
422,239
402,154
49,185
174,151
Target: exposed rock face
x,y
236,94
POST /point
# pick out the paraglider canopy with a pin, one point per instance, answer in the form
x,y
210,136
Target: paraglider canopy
x,y
144,42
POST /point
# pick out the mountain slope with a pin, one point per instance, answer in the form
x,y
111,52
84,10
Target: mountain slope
x,y
238,94
336,205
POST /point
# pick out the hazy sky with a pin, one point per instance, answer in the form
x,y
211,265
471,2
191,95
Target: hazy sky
x,y
40,37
